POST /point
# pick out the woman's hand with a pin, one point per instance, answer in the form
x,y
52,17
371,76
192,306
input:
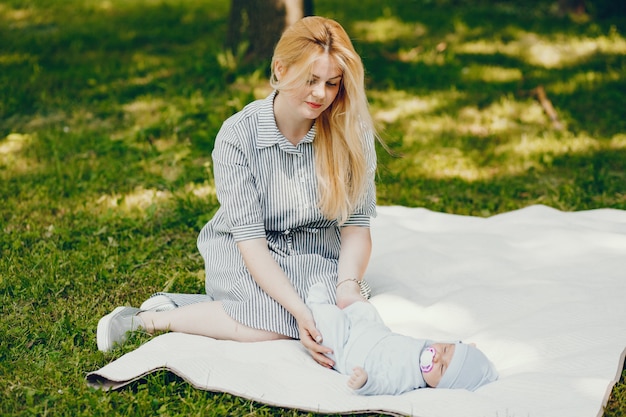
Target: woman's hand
x,y
272,279
348,293
311,338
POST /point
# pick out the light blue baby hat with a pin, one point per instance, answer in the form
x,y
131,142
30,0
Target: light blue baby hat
x,y
468,369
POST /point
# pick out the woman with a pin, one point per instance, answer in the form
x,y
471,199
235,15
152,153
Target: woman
x,y
294,175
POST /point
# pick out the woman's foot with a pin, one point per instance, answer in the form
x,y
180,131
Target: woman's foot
x,y
114,327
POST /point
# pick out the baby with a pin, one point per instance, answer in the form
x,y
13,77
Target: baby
x,y
382,362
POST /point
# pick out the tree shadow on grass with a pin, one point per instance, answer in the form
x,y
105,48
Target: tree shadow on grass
x,y
578,64
79,55
581,181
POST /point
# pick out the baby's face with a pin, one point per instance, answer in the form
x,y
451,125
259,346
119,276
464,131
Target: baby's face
x,y
443,356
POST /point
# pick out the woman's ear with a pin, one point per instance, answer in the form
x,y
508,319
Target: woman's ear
x,y
279,70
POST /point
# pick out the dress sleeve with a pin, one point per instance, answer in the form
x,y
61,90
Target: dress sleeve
x,y
367,206
236,187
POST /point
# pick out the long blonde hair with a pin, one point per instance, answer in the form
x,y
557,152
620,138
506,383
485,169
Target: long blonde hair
x,y
343,128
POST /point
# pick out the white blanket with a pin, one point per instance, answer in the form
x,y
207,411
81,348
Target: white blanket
x,y
541,292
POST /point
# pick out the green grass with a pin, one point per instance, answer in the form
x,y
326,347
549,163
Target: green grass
x,y
109,111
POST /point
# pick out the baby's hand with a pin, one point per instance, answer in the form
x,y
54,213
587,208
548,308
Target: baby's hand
x,y
358,378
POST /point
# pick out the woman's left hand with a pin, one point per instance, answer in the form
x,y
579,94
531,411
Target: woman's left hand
x,y
311,338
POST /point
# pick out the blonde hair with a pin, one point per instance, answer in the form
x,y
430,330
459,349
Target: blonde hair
x,y
343,128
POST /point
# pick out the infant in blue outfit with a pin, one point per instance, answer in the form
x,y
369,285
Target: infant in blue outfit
x,y
382,362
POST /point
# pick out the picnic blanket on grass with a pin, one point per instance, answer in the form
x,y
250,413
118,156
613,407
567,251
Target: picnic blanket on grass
x,y
542,292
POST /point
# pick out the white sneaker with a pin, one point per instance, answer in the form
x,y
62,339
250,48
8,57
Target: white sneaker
x,y
158,302
114,327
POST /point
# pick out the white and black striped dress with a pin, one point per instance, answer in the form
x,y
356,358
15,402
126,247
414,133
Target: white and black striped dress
x,y
267,187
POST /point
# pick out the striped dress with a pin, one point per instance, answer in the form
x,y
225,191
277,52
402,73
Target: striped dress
x,y
267,188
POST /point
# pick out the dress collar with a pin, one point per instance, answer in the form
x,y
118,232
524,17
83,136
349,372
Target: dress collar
x,y
269,134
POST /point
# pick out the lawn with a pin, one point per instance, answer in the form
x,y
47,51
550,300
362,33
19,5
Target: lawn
x,y
109,111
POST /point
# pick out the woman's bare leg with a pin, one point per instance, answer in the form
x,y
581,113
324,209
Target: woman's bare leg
x,y
205,319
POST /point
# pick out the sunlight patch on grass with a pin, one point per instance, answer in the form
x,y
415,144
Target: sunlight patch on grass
x,y
20,18
391,106
14,143
548,52
15,14
163,145
200,190
149,69
585,78
169,165
618,141
527,146
491,74
140,199
448,163
40,121
16,58
404,108
10,154
168,171
421,121
151,77
503,116
429,129
144,61
431,56
515,157
84,120
454,163
387,29
148,111
105,5
79,119
560,53
152,121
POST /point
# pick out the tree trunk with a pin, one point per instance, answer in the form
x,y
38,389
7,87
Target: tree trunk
x,y
261,22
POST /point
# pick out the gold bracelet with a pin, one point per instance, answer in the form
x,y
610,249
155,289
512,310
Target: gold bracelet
x,y
348,280
364,287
